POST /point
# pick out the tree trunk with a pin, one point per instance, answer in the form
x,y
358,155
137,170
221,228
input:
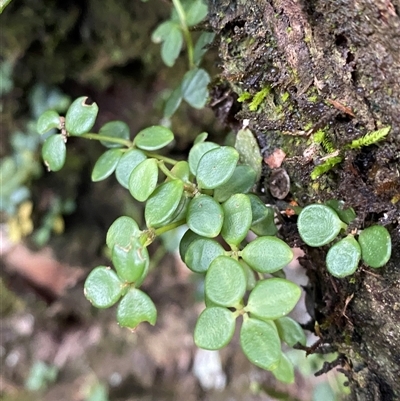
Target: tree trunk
x,y
302,66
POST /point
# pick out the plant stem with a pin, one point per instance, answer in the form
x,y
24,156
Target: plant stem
x,y
160,157
162,167
188,39
98,137
169,227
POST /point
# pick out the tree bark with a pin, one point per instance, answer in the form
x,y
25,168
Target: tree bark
x,y
331,65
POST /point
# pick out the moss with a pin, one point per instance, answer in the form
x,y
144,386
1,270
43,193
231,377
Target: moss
x,y
259,97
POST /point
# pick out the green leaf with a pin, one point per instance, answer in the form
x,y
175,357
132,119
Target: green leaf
x,y
216,167
54,152
173,102
48,120
162,31
186,240
284,372
201,138
197,152
346,215
318,225
376,246
181,171
273,298
249,151
114,129
214,328
260,343
80,117
290,331
241,181
123,232
103,287
162,204
201,252
172,46
225,283
106,164
196,12
153,138
127,164
263,217
136,307
131,262
205,216
342,259
237,219
143,179
267,254
194,87
201,46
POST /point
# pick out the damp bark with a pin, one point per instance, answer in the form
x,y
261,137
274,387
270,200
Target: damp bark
x,y
298,68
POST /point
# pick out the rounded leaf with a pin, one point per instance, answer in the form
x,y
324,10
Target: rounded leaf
x,y
225,282
241,182
172,45
136,307
143,179
205,216
123,232
342,259
173,102
273,298
237,219
114,129
197,152
127,164
318,225
103,288
214,328
153,138
194,87
290,331
48,120
131,262
284,372
186,240
106,164
376,246
196,12
181,171
216,167
163,203
54,152
80,117
263,217
267,254
261,343
201,252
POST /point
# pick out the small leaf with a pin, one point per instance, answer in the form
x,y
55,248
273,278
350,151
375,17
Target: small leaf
x,y
143,179
346,215
123,232
216,167
194,87
48,120
201,138
186,240
249,151
205,216
106,164
225,282
263,217
318,225
201,252
196,12
267,254
131,262
173,102
181,171
127,164
136,307
260,343
54,152
273,298
114,129
241,181
342,259
376,246
80,117
103,287
172,46
201,46
162,204
214,328
290,331
237,219
197,152
153,138
284,372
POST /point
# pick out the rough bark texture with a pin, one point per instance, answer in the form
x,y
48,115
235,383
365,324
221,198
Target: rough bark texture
x,y
331,65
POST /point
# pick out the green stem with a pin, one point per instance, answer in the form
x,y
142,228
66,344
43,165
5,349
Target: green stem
x,y
188,39
169,227
167,173
160,157
98,137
